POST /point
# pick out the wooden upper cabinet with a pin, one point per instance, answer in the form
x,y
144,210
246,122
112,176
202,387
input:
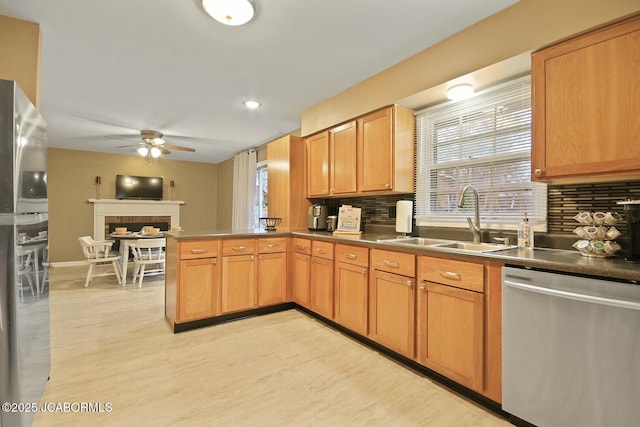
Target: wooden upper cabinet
x,y
372,154
586,105
342,152
318,165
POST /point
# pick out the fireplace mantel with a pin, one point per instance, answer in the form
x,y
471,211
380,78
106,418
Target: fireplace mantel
x,y
114,207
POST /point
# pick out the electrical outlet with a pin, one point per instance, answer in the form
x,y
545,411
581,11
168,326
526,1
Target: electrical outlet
x,y
392,212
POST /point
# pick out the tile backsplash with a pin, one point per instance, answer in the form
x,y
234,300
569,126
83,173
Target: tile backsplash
x,y
563,203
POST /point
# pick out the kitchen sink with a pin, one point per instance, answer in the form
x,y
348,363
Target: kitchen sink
x,y
449,244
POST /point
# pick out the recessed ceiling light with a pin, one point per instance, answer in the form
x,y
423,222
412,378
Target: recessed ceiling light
x,y
229,12
460,92
252,105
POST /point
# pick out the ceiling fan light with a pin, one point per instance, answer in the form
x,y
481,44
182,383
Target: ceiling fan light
x,y
155,152
229,12
143,151
460,92
252,105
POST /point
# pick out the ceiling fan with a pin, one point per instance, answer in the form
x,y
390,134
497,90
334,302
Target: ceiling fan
x,y
153,145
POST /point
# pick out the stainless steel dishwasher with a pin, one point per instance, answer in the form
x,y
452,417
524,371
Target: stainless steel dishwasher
x,y
571,349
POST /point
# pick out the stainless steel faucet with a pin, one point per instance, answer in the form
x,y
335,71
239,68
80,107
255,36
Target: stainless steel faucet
x,y
475,228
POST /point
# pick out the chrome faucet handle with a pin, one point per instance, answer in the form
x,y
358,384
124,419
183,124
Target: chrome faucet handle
x,y
504,240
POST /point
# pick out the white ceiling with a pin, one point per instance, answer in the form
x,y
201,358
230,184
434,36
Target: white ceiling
x,y
111,68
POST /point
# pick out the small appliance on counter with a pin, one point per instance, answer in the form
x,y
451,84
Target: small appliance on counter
x,y
317,218
332,222
632,213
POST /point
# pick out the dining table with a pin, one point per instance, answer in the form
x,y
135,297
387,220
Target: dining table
x,y
127,240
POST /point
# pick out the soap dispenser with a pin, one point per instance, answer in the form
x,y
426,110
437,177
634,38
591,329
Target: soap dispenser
x,y
525,233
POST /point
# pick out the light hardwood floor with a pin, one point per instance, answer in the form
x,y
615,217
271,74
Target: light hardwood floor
x,y
111,345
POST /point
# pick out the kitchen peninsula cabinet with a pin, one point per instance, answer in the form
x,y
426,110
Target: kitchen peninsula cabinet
x,y
392,301
586,104
272,271
321,278
301,271
192,280
371,154
352,287
238,275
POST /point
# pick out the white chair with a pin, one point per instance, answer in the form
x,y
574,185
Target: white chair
x,y
147,252
99,253
24,269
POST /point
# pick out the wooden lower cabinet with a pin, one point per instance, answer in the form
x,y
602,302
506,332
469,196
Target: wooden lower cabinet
x,y
451,332
198,297
300,285
352,296
272,278
238,283
392,311
321,287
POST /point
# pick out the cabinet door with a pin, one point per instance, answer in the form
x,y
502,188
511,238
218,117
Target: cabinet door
x,y
238,283
375,151
586,104
450,332
342,154
321,287
352,296
198,292
272,278
301,270
392,311
318,165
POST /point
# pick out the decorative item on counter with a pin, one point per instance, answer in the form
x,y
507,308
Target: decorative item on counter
x,y
525,233
597,233
348,220
270,223
98,182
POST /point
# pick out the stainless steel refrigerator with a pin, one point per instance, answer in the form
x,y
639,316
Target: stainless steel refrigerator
x,y
25,359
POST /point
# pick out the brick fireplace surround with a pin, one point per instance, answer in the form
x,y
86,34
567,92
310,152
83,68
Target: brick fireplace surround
x,y
143,212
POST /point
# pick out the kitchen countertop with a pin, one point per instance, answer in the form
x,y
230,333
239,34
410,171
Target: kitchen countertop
x,y
548,259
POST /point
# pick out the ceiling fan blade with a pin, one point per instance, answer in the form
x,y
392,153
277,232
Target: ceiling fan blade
x,y
163,150
180,148
127,146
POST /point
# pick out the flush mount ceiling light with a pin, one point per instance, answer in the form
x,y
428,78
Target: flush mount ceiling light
x,y
460,92
252,105
229,12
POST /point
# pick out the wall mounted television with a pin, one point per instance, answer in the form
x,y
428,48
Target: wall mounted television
x,y
139,187
34,184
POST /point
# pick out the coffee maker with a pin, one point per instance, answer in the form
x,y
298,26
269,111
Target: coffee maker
x,y
632,214
317,218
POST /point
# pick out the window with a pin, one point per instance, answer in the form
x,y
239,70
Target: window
x,y
262,193
484,141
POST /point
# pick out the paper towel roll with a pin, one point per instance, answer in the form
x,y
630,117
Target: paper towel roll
x,y
404,214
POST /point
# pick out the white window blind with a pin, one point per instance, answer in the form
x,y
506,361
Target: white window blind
x,y
484,141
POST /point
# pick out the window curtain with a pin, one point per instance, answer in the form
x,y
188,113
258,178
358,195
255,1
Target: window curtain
x,y
244,189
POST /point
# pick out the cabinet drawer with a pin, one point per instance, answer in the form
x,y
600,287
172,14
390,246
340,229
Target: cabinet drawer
x,y
238,246
192,249
302,246
322,249
356,255
394,262
276,244
461,274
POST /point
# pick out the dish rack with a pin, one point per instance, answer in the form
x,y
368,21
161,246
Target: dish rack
x,y
598,233
270,223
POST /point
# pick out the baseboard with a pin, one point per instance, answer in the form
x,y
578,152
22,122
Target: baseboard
x,y
67,264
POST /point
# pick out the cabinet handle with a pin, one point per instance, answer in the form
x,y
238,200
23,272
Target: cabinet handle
x,y
199,251
214,261
423,286
351,256
301,248
331,190
387,186
450,275
409,283
537,172
321,250
239,248
391,264
251,258
273,245
364,271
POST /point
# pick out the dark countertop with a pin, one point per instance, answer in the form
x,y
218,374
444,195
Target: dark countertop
x,y
559,260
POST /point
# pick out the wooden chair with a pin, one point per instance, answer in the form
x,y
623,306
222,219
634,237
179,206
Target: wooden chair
x,y
99,253
147,252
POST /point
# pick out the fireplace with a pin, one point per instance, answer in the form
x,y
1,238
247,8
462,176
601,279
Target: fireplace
x,y
133,214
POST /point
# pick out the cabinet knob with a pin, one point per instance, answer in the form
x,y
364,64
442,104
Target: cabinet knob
x,y
214,261
537,172
252,257
423,286
409,283
364,271
387,186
